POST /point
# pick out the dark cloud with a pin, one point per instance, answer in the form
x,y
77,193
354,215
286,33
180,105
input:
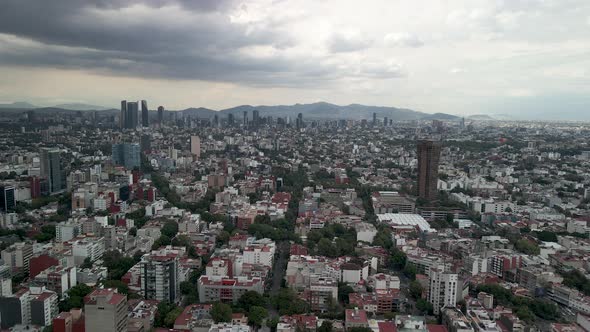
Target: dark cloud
x,y
180,39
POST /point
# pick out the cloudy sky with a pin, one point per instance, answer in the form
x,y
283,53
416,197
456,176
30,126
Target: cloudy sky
x,y
454,56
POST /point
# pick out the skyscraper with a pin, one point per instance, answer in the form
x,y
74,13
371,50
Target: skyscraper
x,y
126,154
385,122
374,119
428,158
51,169
160,115
132,115
196,146
245,118
299,121
230,119
123,116
442,289
145,115
255,117
7,198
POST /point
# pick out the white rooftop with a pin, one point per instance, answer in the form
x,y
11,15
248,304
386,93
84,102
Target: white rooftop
x,y
406,220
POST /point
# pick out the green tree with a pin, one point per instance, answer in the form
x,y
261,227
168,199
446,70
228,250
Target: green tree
x,y
256,316
424,306
250,299
221,312
170,229
410,271
398,259
416,290
343,291
75,298
326,326
171,317
527,247
118,284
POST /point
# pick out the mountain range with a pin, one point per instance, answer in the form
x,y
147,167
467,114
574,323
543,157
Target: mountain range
x,y
319,110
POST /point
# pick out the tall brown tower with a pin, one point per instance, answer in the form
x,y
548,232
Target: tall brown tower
x,y
428,158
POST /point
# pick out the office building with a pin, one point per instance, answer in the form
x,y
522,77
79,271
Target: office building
x,y
160,115
230,119
129,114
126,154
105,310
245,118
160,276
145,115
299,121
428,158
442,290
145,143
196,146
255,117
51,170
374,119
7,198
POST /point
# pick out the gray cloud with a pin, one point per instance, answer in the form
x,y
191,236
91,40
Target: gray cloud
x,y
203,44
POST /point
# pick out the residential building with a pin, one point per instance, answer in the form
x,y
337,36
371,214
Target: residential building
x,y
105,310
442,291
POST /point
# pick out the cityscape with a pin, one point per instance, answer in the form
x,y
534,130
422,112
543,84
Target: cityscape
x,y
283,166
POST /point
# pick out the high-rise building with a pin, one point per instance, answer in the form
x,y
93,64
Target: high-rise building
x,y
255,117
385,122
160,115
123,115
230,119
196,146
442,289
132,115
105,310
51,169
216,120
160,276
299,121
145,115
7,198
245,118
374,119
428,158
126,154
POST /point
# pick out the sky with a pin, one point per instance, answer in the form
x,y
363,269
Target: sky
x,y
452,56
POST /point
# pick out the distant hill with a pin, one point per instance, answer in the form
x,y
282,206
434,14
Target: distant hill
x,y
200,112
441,116
319,110
18,104
323,110
80,107
481,117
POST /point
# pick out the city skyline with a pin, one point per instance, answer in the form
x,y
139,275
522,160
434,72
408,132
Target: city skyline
x,y
476,57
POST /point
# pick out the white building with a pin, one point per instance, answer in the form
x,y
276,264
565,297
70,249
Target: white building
x,y
442,291
259,254
67,230
92,248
